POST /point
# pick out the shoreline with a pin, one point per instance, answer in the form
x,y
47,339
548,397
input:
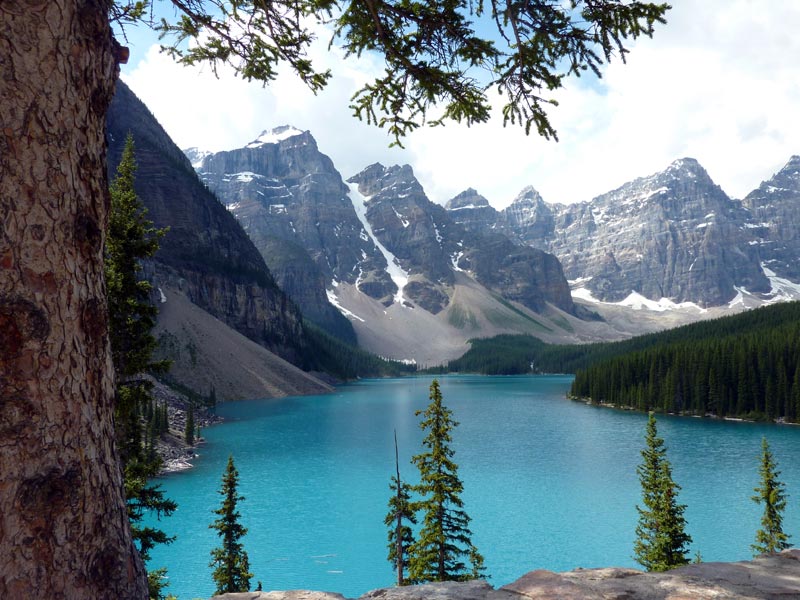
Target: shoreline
x,y
589,402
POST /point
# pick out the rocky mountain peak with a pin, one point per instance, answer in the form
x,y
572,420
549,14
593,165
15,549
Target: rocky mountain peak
x,y
395,181
683,169
469,198
674,234
528,196
790,174
529,218
472,211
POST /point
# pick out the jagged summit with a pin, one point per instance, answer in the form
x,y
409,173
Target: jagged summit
x,y
528,195
275,136
398,180
468,199
791,171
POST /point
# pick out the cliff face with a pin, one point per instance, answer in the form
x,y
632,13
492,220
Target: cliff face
x,y
775,206
281,187
432,245
205,252
414,229
674,234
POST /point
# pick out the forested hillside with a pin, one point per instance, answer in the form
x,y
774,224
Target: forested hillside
x,y
753,372
745,365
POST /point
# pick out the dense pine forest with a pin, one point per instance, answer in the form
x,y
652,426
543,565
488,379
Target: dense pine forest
x,y
754,373
331,355
746,365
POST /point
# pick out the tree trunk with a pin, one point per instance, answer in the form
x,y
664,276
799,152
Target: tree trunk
x,y
64,532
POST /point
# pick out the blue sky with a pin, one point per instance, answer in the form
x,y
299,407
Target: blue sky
x,y
720,83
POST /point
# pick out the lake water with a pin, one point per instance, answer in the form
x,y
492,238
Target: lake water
x,y
549,483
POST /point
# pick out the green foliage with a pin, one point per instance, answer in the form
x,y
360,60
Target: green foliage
x,y
143,497
772,494
744,366
331,355
188,430
436,54
230,562
509,354
401,511
445,540
156,582
131,239
661,542
400,536
499,355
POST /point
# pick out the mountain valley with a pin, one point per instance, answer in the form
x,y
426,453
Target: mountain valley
x,y
416,280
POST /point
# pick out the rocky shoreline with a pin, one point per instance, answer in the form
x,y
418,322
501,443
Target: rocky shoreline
x,y
175,453
767,577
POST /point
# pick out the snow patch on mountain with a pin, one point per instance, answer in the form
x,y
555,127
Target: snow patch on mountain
x,y
332,298
395,271
638,302
274,136
782,288
635,301
196,156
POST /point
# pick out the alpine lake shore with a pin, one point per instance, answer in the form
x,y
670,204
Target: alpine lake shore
x,y
773,576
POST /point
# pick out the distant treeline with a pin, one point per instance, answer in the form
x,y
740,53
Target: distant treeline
x,y
333,356
743,365
752,372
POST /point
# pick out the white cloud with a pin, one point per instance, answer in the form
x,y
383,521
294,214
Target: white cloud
x,y
720,82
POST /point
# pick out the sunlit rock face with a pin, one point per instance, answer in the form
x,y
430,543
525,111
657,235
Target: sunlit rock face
x,y
775,206
674,234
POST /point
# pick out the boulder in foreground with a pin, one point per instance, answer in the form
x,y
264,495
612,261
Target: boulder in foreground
x,y
767,577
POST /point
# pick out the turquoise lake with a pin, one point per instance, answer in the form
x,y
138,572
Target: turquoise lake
x,y
549,483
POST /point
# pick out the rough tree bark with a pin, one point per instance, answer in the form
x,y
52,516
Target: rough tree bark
x,y
63,527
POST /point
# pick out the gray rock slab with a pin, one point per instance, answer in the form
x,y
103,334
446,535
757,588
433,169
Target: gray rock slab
x,y
767,577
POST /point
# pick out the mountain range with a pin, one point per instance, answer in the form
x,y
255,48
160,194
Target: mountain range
x,y
416,280
674,235
373,261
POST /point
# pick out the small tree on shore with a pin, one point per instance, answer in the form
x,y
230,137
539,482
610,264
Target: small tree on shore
x,y
661,540
400,512
230,561
188,430
772,494
445,540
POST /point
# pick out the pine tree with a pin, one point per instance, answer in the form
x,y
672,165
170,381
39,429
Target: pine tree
x,y
230,561
188,430
400,511
661,541
132,238
445,538
772,493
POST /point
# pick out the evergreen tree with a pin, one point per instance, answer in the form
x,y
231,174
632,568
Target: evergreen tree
x,y
132,238
661,542
772,493
230,562
445,538
400,511
188,430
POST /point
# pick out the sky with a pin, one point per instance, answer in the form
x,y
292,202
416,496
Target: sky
x,y
720,82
